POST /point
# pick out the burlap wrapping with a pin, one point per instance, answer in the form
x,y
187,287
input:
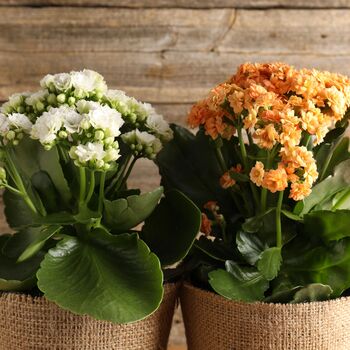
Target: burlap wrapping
x,y
28,323
215,323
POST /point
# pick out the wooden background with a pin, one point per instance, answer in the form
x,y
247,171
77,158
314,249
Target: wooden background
x,y
167,52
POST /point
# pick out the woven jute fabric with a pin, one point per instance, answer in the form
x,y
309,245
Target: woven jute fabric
x,y
34,323
215,323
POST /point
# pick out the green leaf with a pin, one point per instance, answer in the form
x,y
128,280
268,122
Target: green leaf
x,y
340,153
328,187
239,283
17,276
250,246
125,213
16,210
282,296
312,292
270,262
288,214
172,228
305,262
45,234
254,223
329,225
216,249
31,157
112,278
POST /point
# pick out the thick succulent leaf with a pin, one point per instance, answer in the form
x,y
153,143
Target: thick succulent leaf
x,y
43,235
305,261
250,246
312,292
17,276
254,223
31,158
172,228
327,188
112,278
239,283
123,214
188,163
216,249
339,153
282,296
17,212
270,262
329,225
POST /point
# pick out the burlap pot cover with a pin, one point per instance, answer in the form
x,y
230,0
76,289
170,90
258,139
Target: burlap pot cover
x,y
215,323
28,323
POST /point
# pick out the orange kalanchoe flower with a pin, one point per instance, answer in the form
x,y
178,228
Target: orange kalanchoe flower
x,y
226,180
206,225
282,109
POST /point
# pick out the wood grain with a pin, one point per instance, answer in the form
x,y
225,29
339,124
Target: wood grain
x,y
185,3
170,77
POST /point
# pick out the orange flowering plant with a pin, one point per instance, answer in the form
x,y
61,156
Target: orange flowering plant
x,y
270,170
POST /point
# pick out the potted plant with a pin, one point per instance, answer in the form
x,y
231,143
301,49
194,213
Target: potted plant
x,y
270,169
66,154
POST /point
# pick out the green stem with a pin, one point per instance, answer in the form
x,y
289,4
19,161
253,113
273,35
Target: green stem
x,y
263,200
101,192
245,164
82,184
12,189
91,186
120,184
341,200
328,160
120,174
278,220
221,159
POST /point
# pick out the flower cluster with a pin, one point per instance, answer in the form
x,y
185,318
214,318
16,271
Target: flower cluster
x,y
77,112
284,111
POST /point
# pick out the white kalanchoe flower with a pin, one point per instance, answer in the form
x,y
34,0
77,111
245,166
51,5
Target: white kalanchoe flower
x,y
47,126
86,82
20,122
142,143
62,81
102,118
71,119
37,100
159,126
4,124
93,155
14,103
121,102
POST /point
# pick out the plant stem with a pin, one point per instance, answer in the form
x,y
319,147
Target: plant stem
x,y
221,159
120,184
245,164
327,161
82,184
278,220
91,186
119,175
101,192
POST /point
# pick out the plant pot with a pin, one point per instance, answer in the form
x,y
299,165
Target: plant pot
x,y
28,322
215,323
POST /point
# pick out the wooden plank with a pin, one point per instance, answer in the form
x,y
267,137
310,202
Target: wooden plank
x,y
170,77
296,31
160,30
184,3
113,30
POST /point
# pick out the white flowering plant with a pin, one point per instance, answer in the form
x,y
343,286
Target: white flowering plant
x,y
66,153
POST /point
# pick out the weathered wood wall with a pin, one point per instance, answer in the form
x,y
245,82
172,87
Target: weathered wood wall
x,y
168,52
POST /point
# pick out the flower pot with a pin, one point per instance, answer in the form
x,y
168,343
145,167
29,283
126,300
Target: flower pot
x,y
28,322
215,323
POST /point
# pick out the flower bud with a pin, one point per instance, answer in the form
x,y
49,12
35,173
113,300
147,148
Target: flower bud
x,y
71,100
11,135
109,140
20,136
85,125
139,147
99,135
2,174
100,164
39,106
15,142
20,109
99,95
62,134
51,99
61,98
